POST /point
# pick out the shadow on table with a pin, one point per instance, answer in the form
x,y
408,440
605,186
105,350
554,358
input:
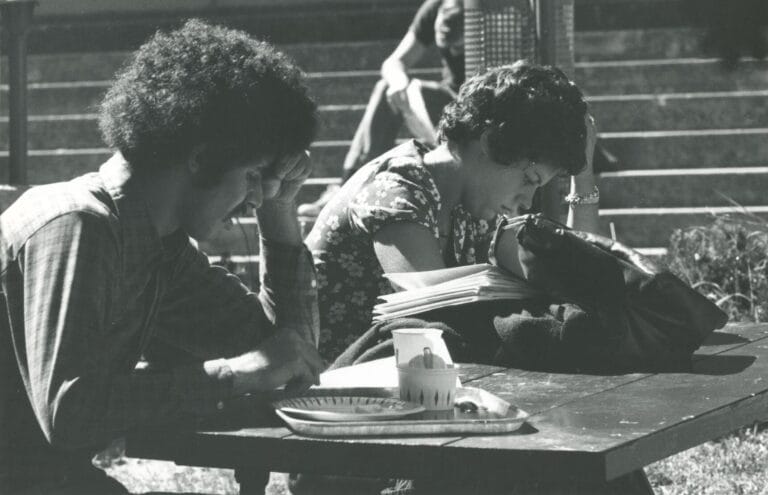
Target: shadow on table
x,y
724,338
722,365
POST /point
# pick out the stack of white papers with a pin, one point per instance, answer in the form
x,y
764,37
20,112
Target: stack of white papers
x,y
425,291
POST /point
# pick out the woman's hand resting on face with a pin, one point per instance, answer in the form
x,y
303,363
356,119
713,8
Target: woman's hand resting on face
x,y
585,216
589,146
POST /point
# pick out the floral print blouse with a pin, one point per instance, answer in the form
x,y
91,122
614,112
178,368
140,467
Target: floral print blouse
x,y
395,187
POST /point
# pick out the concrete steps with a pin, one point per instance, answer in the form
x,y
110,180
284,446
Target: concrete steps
x,y
638,44
637,112
53,165
311,57
683,129
353,86
702,187
113,25
646,150
646,227
637,226
688,148
59,98
679,112
609,46
595,78
669,76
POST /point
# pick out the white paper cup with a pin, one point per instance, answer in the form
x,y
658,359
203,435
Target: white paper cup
x,y
435,389
410,342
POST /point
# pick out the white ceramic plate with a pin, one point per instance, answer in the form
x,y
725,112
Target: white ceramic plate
x,y
347,408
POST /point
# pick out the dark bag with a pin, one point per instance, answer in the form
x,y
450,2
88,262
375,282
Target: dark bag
x,y
651,317
608,310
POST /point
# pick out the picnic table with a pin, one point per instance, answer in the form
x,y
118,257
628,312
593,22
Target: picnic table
x,y
586,433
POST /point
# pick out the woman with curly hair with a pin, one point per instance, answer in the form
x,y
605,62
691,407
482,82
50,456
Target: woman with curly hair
x,y
511,130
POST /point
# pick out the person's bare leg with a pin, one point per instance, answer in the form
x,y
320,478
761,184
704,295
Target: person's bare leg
x,y
375,134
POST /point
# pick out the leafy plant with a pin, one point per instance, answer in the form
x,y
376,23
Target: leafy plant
x,y
727,261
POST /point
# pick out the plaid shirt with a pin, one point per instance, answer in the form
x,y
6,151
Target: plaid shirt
x,y
90,287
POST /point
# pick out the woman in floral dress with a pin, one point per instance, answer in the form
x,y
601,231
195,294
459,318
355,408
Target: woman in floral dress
x,y
511,130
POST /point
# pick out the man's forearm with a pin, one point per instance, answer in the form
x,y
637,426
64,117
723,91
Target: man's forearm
x,y
278,223
288,292
89,410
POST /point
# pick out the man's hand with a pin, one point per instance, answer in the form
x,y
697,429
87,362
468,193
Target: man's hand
x,y
279,185
283,359
283,181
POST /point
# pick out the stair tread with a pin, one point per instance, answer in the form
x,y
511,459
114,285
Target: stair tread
x,y
672,115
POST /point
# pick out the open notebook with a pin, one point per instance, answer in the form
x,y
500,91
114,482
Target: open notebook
x,y
425,291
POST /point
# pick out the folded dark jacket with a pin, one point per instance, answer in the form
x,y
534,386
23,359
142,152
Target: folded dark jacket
x,y
650,316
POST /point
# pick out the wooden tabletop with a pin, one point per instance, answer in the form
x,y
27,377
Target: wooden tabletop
x,y
581,426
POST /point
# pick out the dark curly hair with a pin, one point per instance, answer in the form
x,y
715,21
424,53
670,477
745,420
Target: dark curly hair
x,y
204,84
529,112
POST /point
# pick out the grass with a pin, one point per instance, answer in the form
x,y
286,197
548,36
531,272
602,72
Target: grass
x,y
145,475
726,260
734,465
142,475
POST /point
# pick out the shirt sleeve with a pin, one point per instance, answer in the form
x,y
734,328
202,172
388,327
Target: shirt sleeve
x,y
77,359
208,313
423,24
289,288
401,193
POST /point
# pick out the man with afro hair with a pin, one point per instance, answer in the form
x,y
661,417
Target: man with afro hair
x,y
101,273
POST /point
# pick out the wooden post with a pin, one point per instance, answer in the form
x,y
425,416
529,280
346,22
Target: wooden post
x,y
556,40
16,16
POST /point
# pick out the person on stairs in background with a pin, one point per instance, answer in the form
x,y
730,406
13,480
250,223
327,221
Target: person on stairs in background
x,y
399,99
734,28
100,272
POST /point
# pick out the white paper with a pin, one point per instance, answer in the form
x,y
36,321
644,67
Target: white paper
x,y
413,280
425,291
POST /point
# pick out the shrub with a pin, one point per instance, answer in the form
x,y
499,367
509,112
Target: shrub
x,y
727,261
